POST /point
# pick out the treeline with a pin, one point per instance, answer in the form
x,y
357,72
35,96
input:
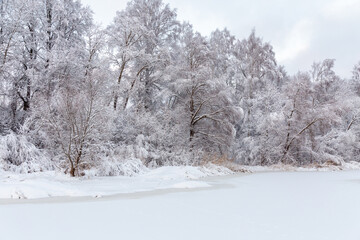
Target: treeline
x,y
77,97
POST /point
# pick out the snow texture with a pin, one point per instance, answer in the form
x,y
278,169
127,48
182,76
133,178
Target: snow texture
x,y
53,184
262,206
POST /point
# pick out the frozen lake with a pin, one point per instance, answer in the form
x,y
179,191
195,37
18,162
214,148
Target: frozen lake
x,y
289,206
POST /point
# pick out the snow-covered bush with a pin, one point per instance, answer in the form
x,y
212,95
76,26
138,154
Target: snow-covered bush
x,y
118,167
17,154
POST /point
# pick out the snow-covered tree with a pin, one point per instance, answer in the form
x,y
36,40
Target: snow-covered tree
x,y
159,22
202,101
76,113
124,35
256,72
183,96
314,111
224,64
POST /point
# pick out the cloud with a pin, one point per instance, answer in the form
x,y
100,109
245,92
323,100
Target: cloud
x,y
342,9
297,41
301,31
105,10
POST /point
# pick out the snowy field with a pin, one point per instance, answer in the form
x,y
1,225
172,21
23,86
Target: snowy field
x,y
297,205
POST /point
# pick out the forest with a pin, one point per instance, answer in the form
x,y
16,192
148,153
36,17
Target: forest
x,y
148,90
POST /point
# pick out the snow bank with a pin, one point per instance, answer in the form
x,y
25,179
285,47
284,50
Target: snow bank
x,y
325,167
189,172
54,184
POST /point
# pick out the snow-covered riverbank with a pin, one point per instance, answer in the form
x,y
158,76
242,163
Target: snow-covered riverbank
x,y
55,184
52,184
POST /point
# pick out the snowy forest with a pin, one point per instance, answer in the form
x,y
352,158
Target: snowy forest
x,y
148,90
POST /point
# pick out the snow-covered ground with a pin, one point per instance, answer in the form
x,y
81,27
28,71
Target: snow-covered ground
x,y
54,184
278,205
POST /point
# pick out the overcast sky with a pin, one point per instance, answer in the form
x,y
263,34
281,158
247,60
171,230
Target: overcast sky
x,y
301,31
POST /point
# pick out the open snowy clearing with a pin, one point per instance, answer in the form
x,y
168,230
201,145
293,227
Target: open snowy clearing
x,y
298,205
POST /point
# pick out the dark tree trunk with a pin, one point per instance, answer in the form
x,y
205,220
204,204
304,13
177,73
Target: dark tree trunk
x,y
118,82
72,171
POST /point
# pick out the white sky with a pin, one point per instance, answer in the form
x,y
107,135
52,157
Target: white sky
x,y
301,31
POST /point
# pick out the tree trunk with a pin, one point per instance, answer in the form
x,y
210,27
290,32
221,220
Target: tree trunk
x,y
287,147
118,83
72,171
72,167
192,133
115,102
